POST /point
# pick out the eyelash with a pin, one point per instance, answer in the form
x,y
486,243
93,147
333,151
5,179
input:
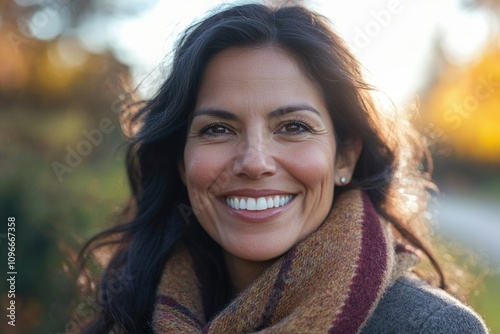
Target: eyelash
x,y
204,131
307,127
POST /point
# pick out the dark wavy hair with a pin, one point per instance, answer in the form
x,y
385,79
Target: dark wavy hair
x,y
391,168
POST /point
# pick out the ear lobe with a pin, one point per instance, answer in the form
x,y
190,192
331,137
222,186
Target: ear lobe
x,y
345,161
181,168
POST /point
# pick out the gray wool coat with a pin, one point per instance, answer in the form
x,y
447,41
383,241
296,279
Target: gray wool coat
x,y
412,306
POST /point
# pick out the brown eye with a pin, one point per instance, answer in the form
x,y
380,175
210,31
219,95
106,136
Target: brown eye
x,y
215,130
218,129
295,128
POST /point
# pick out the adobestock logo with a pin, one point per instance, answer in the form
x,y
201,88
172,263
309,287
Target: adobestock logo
x,y
379,20
94,137
29,27
84,147
458,111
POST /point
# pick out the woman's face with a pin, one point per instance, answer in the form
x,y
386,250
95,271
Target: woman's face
x,y
260,162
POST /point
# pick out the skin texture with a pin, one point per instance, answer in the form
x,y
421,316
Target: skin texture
x,y
261,127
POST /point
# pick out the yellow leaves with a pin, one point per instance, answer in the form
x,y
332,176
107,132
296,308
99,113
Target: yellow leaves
x,y
465,104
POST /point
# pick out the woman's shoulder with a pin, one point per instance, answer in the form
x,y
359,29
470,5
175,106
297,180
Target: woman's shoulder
x,y
413,306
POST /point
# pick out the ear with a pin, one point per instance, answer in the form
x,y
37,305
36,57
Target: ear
x,y
181,168
346,159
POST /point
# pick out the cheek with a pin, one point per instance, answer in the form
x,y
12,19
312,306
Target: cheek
x,y
205,168
312,164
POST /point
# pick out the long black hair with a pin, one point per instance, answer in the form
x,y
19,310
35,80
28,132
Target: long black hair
x,y
390,165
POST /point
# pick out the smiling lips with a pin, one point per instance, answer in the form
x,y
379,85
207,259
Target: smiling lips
x,y
257,204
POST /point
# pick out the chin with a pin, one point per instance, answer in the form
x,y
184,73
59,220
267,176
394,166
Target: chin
x,y
259,251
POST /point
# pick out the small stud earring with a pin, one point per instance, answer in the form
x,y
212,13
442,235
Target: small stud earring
x,y
343,180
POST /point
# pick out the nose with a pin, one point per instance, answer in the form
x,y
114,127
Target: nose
x,y
254,159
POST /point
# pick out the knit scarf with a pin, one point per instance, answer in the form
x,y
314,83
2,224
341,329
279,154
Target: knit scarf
x,y
330,282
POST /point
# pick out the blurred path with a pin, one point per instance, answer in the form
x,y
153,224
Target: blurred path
x,y
473,222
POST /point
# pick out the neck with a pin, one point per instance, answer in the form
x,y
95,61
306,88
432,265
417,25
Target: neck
x,y
243,272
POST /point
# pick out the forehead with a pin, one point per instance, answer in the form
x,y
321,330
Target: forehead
x,y
256,75
265,62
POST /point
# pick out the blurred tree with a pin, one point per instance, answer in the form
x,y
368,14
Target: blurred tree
x,y
45,56
464,104
54,89
33,15
460,102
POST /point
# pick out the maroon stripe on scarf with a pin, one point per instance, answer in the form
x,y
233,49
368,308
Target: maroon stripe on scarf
x,y
277,290
369,276
170,302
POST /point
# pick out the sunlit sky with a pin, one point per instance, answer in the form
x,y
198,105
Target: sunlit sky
x,y
395,49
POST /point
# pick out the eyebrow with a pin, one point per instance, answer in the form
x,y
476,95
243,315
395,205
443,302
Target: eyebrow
x,y
273,114
292,108
217,113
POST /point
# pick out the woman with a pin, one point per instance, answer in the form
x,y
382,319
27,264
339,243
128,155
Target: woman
x,y
270,194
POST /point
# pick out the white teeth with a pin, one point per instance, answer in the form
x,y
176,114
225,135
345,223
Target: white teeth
x,y
251,204
261,203
257,204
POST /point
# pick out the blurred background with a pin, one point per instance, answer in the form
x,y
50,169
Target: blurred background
x,y
66,67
